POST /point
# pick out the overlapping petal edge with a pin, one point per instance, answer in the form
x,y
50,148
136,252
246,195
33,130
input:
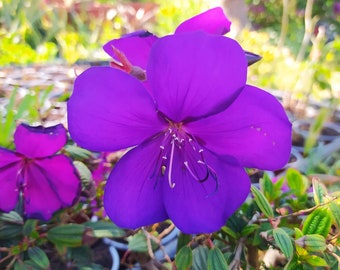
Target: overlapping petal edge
x,y
47,182
136,46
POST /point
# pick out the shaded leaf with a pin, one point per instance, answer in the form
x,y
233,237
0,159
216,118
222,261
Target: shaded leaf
x,y
29,226
183,240
183,259
216,260
138,242
249,229
70,235
230,232
39,257
105,229
200,256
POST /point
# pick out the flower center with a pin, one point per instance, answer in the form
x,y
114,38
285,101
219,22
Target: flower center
x,y
179,148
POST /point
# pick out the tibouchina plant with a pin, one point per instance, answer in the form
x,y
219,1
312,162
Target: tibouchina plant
x,y
192,123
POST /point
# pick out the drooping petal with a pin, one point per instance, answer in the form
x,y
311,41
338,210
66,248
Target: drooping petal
x,y
195,74
133,193
204,206
9,170
51,184
254,129
36,142
136,46
110,110
212,21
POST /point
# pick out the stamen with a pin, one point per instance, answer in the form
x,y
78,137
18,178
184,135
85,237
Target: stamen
x,y
171,184
186,163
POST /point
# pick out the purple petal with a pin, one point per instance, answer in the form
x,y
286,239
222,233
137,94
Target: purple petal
x,y
133,194
34,142
195,74
136,47
51,184
204,207
9,169
212,21
254,129
110,110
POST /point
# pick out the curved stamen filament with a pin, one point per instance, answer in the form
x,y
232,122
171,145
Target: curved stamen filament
x,y
186,163
171,184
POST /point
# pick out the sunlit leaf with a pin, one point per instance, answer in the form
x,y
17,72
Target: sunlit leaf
x,y
262,202
284,242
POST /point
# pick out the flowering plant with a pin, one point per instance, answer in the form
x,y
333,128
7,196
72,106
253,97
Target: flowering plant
x,y
193,131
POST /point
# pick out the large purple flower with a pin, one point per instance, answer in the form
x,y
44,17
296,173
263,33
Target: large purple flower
x,y
194,130
46,182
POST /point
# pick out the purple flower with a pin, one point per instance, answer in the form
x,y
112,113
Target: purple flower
x,y
45,181
193,131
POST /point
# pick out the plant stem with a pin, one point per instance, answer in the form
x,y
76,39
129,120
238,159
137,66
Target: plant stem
x,y
308,30
284,23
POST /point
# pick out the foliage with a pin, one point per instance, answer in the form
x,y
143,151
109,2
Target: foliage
x,y
290,214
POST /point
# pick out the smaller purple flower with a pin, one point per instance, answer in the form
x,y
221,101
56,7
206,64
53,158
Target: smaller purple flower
x,y
46,181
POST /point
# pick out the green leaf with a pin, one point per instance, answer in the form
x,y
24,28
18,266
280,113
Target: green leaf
x,y
294,264
315,130
138,242
77,152
19,265
183,240
319,191
216,260
230,232
317,222
262,202
267,187
29,226
39,257
200,256
296,182
84,172
9,231
70,235
249,229
284,242
335,211
105,229
12,217
183,259
312,242
315,261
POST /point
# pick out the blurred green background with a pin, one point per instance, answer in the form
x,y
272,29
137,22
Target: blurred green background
x,y
298,39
